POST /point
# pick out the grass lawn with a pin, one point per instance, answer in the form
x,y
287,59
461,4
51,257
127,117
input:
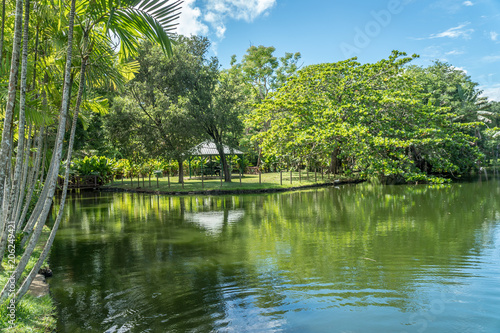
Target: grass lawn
x,y
248,182
33,314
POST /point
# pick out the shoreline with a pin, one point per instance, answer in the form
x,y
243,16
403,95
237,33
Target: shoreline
x,y
232,191
35,311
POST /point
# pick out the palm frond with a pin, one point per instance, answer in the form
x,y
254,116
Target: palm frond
x,y
133,20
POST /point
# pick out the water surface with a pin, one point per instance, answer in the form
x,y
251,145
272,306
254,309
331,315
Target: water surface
x,y
351,259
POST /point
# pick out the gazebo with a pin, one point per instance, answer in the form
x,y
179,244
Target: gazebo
x,y
207,149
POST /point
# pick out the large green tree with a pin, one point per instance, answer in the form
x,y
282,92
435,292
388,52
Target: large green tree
x,y
447,86
369,118
260,73
214,105
173,104
149,119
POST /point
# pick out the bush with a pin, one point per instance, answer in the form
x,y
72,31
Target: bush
x,y
95,165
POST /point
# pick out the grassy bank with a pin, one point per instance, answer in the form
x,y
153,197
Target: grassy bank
x,y
33,314
266,181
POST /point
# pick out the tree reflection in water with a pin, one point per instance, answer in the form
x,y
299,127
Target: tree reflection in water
x,y
293,261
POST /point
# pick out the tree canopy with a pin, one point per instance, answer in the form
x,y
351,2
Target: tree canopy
x,y
373,118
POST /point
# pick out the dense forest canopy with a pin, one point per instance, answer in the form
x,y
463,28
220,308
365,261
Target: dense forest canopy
x,y
391,120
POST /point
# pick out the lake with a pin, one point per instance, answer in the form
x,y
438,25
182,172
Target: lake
x,y
364,258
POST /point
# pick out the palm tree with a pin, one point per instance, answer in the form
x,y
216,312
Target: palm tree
x,y
12,197
472,106
2,30
6,144
130,21
50,183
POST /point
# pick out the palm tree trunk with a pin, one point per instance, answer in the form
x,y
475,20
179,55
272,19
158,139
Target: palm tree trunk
x,y
53,165
47,199
24,179
6,144
43,162
27,282
3,231
40,203
33,177
21,122
2,32
37,40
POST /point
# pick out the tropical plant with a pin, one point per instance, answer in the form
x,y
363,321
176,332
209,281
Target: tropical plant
x,y
95,165
130,21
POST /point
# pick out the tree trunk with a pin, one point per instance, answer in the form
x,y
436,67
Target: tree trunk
x,y
223,160
24,179
36,59
33,177
259,157
27,282
3,231
181,170
51,183
335,162
22,121
43,161
6,144
40,203
2,32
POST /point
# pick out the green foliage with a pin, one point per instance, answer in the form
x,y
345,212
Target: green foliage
x,y
121,168
108,168
261,72
371,117
149,120
258,74
95,165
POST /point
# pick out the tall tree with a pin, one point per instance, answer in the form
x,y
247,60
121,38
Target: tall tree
x,y
214,104
2,30
260,73
11,198
50,183
6,144
447,86
157,125
374,114
131,21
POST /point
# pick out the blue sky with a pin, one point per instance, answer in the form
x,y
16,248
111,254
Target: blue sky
x,y
465,34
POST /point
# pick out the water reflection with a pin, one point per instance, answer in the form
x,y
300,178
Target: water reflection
x,y
362,258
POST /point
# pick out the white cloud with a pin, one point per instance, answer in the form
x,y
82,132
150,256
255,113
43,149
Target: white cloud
x,y
493,35
219,11
454,52
455,32
490,59
459,69
216,13
433,52
247,10
189,20
220,31
492,92
451,6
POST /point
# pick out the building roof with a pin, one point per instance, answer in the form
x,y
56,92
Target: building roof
x,y
207,148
